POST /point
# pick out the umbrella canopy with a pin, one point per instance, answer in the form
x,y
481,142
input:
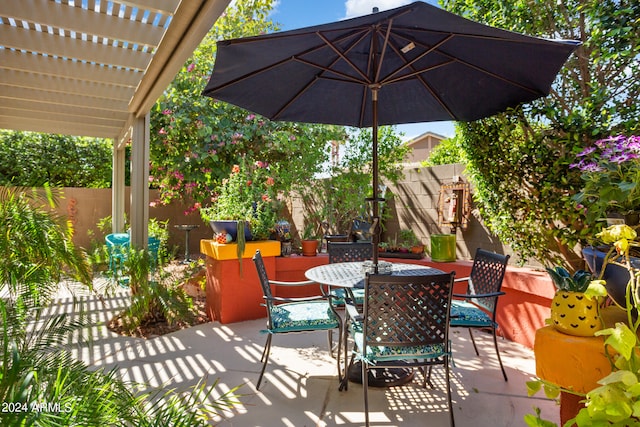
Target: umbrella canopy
x,y
415,63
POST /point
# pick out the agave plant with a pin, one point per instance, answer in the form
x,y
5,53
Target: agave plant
x,y
564,281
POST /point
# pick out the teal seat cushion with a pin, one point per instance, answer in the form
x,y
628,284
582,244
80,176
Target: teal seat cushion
x,y
465,314
339,295
385,353
306,316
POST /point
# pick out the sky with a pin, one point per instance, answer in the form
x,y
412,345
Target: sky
x,y
293,14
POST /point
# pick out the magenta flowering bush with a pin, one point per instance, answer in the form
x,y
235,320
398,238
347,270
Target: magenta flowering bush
x,y
611,174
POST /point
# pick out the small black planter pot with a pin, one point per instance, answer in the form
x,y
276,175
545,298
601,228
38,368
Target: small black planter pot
x,y
616,277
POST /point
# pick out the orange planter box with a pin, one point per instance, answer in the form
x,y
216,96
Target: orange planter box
x,y
234,293
292,269
221,252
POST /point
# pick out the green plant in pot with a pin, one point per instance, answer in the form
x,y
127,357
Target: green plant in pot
x,y
610,171
575,306
410,241
616,401
309,240
244,206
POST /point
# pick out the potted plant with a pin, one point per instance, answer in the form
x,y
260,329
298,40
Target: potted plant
x,y
611,264
309,240
410,241
615,400
244,206
283,234
610,170
575,306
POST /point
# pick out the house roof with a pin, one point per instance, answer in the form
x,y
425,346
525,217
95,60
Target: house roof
x,y
424,136
86,67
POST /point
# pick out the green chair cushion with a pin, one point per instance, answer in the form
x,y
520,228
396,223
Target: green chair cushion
x,y
384,353
303,316
339,295
465,314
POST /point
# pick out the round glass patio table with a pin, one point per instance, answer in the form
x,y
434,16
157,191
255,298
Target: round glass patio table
x,y
350,275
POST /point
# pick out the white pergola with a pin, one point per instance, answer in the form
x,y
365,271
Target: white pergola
x,y
95,68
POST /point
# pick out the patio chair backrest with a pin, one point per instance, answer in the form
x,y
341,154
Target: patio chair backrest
x,y
486,277
407,311
349,251
264,283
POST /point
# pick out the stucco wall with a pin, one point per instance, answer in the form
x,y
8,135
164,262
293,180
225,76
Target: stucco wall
x,y
413,205
85,207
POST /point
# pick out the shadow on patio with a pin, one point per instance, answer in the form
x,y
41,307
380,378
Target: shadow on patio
x,y
301,386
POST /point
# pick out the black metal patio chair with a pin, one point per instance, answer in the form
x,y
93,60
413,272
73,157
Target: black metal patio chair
x,y
291,315
477,309
405,323
349,252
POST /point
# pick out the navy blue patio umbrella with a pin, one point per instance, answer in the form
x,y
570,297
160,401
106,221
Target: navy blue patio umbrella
x,y
416,63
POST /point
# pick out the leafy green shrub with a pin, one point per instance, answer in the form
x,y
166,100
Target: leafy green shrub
x,y
36,364
33,159
156,294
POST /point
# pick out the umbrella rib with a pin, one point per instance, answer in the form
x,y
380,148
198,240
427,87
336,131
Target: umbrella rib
x,y
294,98
426,85
416,72
482,70
494,75
322,68
343,57
287,59
370,65
329,70
429,50
364,32
383,50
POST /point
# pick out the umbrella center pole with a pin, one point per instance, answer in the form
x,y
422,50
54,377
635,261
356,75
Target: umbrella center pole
x,y
374,171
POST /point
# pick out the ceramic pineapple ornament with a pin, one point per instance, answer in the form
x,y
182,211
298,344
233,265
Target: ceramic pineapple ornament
x,y
575,306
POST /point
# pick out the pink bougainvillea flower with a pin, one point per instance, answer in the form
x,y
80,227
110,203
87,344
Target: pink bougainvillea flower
x,y
166,112
261,164
235,169
292,138
250,117
162,131
190,67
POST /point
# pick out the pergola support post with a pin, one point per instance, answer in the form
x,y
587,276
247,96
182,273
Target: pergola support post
x,y
140,181
118,189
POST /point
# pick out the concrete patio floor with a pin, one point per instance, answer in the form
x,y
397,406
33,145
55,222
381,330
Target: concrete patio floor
x,y
300,387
